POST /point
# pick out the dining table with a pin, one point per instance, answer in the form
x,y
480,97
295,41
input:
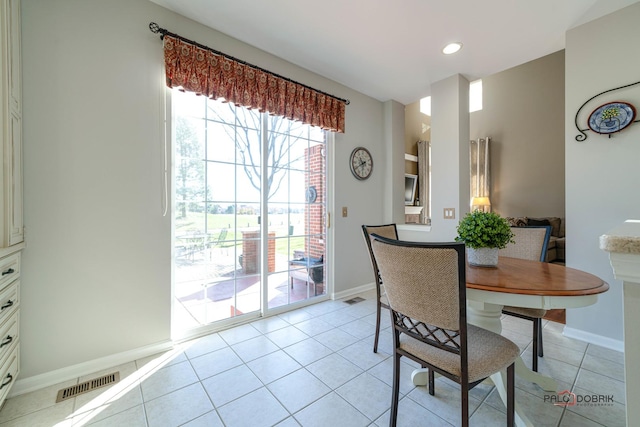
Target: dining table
x,y
523,283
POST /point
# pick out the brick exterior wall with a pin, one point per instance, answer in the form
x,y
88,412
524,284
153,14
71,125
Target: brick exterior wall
x,y
250,252
315,246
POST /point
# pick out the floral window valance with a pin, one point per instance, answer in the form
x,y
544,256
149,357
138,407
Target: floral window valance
x,y
205,72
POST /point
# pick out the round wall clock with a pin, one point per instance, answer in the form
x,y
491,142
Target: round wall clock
x,y
361,163
311,194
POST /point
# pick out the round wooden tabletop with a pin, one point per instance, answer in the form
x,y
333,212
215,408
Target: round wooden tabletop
x,y
519,276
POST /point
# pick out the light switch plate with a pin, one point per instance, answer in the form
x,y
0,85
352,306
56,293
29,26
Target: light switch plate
x,y
449,213
344,211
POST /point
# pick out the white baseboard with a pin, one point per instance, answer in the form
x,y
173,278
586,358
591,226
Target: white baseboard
x,y
594,339
36,382
353,291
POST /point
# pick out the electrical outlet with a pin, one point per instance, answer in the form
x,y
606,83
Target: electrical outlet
x,y
344,211
449,213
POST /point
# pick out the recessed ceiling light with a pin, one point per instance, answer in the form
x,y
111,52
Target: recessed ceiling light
x,y
452,48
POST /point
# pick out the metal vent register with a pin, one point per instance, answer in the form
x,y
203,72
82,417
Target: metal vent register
x,y
87,386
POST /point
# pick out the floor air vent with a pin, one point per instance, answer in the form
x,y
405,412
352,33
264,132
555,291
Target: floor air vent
x,y
354,300
87,386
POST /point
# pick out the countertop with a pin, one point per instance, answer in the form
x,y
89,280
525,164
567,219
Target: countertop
x,y
623,239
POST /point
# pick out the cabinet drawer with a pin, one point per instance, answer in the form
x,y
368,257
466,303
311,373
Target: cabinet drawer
x,y
9,300
9,332
9,269
9,372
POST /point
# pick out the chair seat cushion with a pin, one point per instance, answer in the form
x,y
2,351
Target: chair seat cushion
x,y
487,351
529,312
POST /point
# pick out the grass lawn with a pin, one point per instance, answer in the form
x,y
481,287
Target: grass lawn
x,y
194,223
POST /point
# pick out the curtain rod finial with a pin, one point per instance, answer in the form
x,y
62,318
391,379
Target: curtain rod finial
x,y
155,28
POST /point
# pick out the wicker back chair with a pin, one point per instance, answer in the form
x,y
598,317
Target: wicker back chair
x,y
389,231
530,243
426,289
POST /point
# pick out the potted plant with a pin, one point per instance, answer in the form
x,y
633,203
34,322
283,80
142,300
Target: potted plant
x,y
483,233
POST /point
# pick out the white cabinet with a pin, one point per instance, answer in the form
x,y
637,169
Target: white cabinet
x,y
11,226
14,49
9,322
12,229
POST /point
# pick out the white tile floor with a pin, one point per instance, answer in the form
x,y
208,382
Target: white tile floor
x,y
315,367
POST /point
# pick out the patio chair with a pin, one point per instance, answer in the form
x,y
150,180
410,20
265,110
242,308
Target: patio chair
x,y
218,242
309,270
190,243
390,231
530,243
426,288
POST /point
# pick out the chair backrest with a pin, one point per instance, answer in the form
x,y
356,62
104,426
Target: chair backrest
x,y
424,281
530,243
390,231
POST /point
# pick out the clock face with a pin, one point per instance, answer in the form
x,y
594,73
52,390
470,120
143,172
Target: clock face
x,y
361,163
311,194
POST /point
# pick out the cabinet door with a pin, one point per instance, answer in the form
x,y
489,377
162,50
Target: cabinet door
x,y
13,185
14,55
11,118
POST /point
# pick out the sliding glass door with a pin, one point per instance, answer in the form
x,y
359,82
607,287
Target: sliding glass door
x,y
249,207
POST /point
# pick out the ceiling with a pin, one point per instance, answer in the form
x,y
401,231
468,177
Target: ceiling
x,y
391,50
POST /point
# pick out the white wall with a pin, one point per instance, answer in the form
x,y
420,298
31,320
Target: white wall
x,y
523,113
449,155
96,270
393,163
602,174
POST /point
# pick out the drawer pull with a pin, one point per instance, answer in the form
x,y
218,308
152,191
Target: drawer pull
x,y
7,305
6,341
9,271
9,379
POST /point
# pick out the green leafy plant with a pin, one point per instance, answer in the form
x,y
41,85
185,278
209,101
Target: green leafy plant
x,y
484,230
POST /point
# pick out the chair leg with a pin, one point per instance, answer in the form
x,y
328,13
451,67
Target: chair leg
x,y
464,403
536,341
432,390
540,350
393,416
375,340
511,394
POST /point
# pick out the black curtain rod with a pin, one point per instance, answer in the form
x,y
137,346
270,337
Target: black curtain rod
x,y
155,28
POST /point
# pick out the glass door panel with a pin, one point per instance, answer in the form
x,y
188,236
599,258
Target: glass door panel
x,y
296,210
220,227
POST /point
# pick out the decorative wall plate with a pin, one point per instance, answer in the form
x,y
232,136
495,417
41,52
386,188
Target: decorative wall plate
x,y
611,117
